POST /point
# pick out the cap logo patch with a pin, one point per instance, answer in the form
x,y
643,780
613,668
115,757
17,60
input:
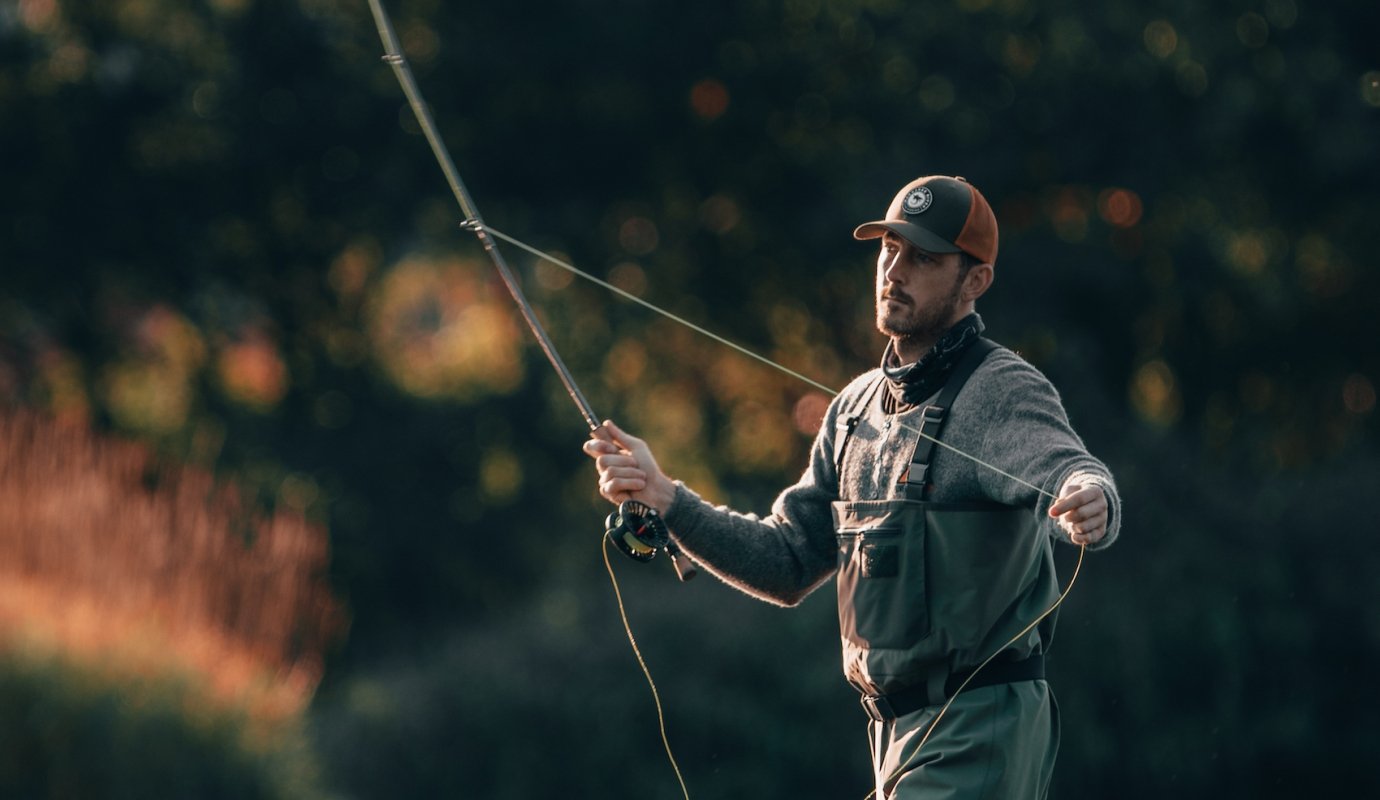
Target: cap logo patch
x,y
917,200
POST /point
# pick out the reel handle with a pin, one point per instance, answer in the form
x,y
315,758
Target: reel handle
x,y
685,568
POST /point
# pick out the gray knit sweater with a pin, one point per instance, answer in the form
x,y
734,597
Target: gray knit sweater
x,y
1007,415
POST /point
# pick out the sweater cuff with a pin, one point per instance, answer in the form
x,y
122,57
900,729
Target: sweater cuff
x,y
684,496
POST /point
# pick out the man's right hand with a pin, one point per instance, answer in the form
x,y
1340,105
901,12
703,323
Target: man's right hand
x,y
627,470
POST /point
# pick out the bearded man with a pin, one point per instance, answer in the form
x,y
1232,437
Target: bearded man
x,y
942,555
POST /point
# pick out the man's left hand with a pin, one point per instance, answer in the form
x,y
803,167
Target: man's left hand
x,y
1082,512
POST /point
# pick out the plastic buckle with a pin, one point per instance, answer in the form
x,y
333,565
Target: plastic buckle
x,y
878,708
932,415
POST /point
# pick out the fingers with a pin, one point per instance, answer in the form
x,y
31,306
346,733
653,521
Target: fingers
x,y
609,438
594,448
1082,513
616,488
620,475
627,468
1088,531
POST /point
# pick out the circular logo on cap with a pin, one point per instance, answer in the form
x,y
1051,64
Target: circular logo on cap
x,y
917,200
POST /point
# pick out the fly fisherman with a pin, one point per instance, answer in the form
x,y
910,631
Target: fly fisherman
x,y
941,560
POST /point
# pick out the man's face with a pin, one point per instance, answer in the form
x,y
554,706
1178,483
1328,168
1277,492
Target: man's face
x,y
917,292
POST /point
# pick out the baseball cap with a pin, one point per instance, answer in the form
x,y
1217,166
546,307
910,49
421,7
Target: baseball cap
x,y
941,215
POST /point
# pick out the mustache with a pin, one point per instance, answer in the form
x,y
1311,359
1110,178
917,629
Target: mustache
x,y
889,294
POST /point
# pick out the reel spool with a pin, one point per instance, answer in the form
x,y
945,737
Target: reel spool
x,y
639,532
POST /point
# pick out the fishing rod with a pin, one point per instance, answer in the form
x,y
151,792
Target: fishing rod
x,y
637,530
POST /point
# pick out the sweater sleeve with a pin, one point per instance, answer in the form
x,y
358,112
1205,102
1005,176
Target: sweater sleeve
x,y
780,558
1026,432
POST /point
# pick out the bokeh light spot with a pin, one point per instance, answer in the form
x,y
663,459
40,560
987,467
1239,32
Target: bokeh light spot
x,y
1021,53
1358,394
420,42
809,412
1321,269
625,364
150,387
500,475
629,277
1155,393
709,99
720,214
638,235
1068,210
437,331
38,15
1370,88
1248,252
1161,40
252,373
1120,207
552,277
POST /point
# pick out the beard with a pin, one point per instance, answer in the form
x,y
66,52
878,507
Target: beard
x,y
915,324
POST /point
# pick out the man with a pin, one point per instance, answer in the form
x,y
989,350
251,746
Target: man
x,y
941,554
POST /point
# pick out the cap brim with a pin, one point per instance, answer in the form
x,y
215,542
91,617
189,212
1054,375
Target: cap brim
x,y
924,239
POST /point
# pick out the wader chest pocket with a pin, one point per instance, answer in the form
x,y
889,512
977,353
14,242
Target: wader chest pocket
x,y
882,587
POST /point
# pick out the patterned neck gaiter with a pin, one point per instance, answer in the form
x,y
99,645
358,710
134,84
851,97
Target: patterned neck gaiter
x,y
912,384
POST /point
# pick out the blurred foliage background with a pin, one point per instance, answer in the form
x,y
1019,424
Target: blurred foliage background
x,y
224,243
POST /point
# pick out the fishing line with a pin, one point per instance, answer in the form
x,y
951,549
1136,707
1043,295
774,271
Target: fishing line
x,y
574,270
656,697
663,312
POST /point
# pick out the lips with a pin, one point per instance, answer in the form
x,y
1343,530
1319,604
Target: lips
x,y
896,298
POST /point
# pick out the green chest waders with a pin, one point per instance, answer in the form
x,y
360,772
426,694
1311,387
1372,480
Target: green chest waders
x,y
927,591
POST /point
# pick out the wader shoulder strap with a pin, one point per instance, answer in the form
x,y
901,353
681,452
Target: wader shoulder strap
x,y
916,480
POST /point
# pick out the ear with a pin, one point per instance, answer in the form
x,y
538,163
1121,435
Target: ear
x,y
978,280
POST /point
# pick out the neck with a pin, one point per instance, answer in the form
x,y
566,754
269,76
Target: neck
x,y
909,349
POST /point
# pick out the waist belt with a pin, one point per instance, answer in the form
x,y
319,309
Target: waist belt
x,y
883,707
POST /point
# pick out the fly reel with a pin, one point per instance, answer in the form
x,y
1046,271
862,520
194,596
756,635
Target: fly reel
x,y
639,532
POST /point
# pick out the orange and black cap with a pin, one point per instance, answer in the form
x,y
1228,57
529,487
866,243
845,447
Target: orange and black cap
x,y
940,214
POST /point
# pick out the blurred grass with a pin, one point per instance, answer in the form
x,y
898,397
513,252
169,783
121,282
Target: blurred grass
x,y
159,636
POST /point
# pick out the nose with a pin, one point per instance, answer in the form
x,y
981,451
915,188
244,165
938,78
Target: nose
x,y
891,262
